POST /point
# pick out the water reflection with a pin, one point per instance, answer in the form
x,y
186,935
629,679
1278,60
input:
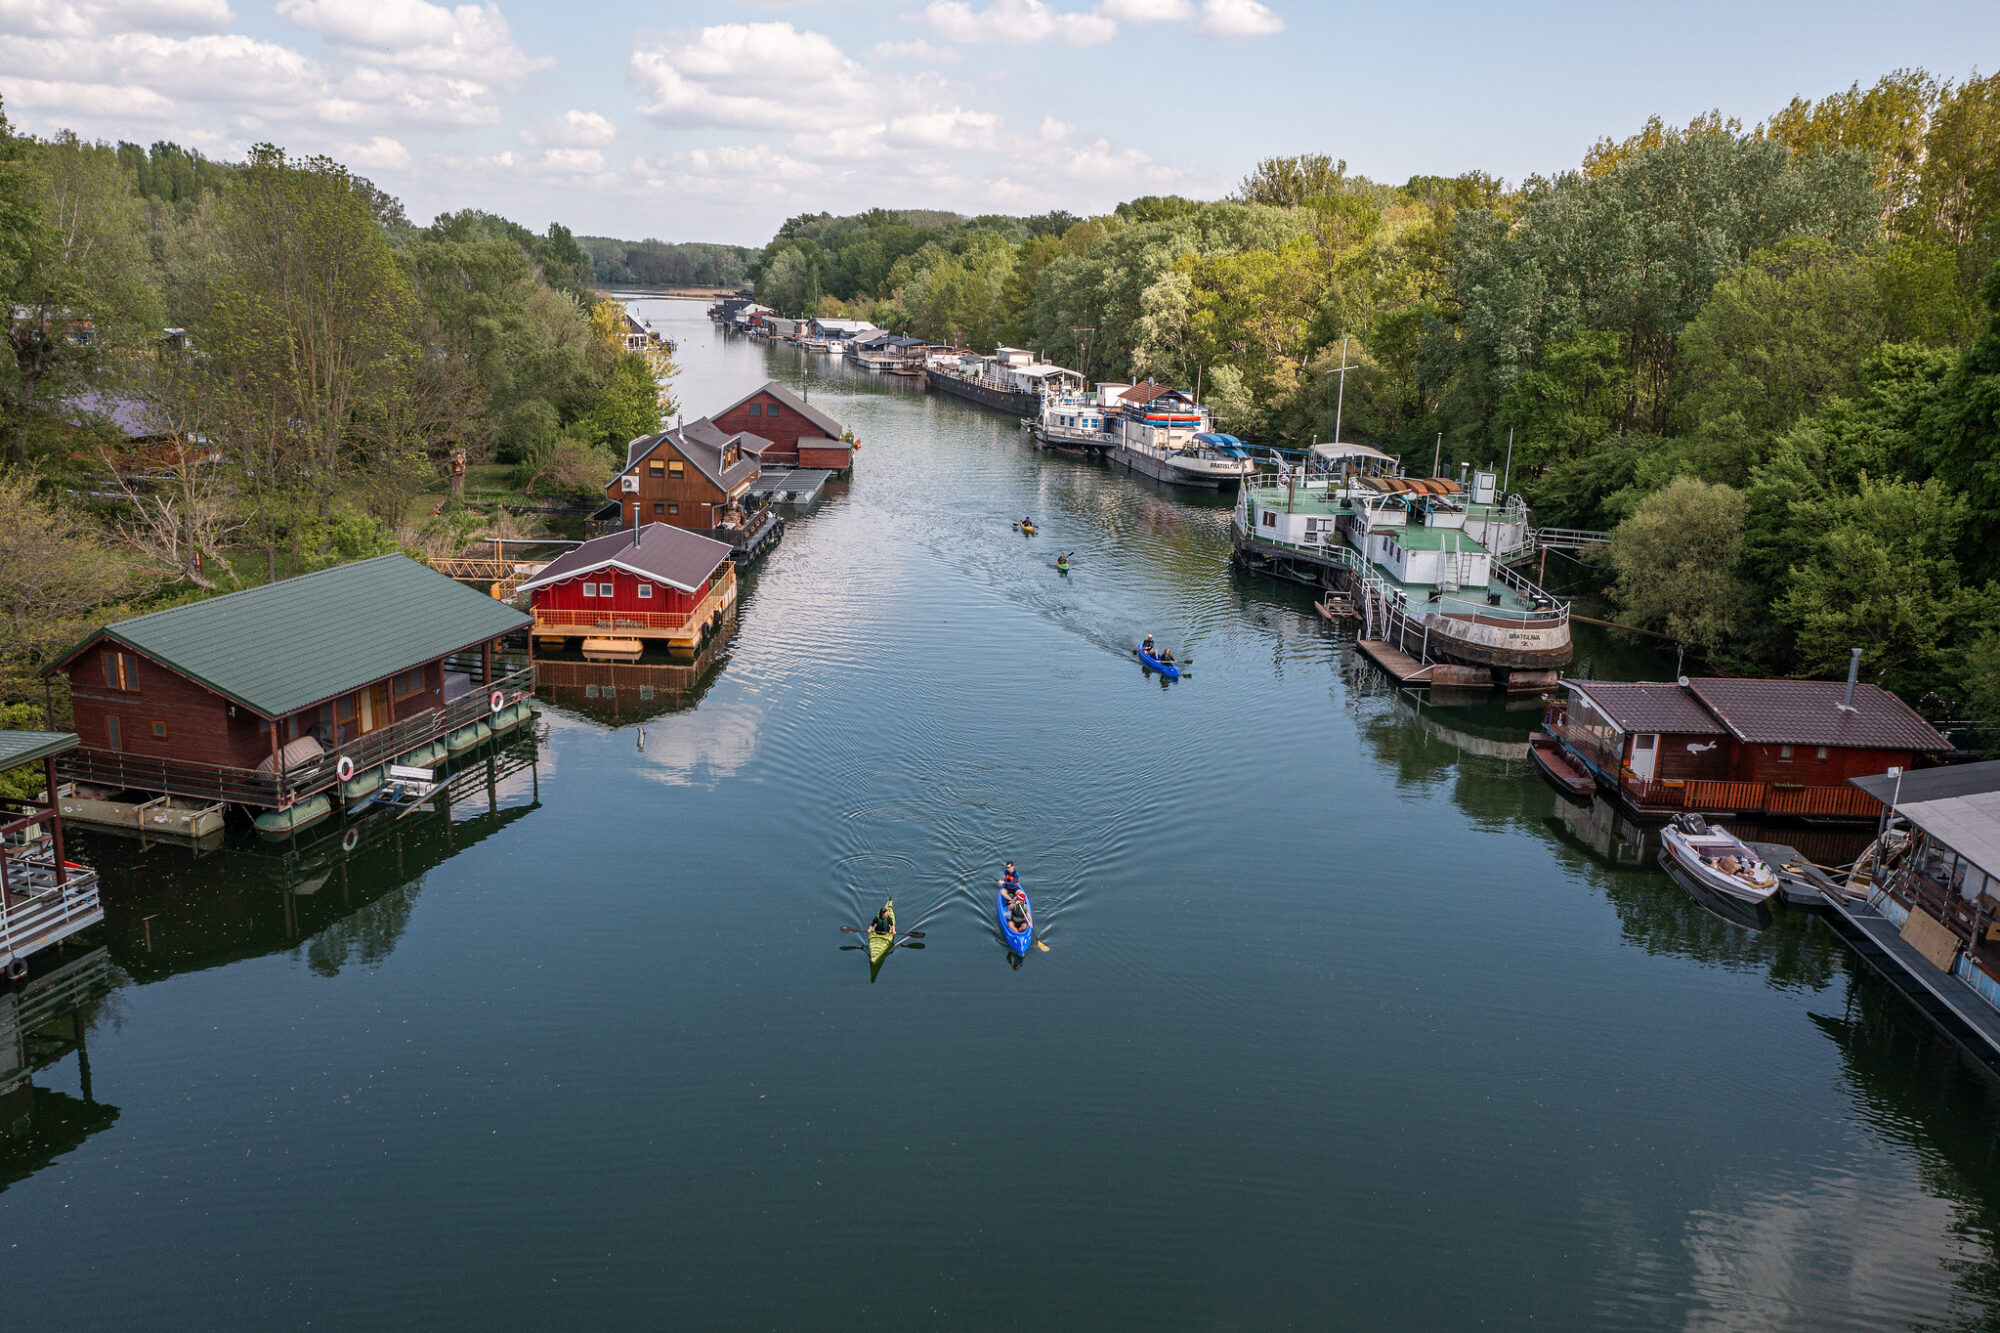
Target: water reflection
x,y
340,895
619,694
42,1023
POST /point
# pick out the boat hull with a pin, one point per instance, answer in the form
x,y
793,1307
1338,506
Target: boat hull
x,y
1000,400
1162,469
1167,669
1687,868
1020,941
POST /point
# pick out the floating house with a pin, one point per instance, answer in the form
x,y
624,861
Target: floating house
x,y
1929,920
615,593
698,476
282,697
44,897
1725,747
1011,380
797,433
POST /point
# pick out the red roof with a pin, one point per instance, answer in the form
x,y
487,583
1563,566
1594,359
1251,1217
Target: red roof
x,y
1808,712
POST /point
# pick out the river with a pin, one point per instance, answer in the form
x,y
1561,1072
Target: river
x,y
1338,1024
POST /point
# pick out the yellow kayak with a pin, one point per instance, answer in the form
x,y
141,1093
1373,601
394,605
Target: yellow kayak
x,y
879,944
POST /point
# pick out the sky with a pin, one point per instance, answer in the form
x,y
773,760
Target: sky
x,y
718,121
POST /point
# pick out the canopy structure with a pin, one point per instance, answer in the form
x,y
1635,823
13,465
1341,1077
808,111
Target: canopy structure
x,y
21,748
1958,806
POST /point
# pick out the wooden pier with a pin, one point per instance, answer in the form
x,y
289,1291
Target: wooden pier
x,y
1396,662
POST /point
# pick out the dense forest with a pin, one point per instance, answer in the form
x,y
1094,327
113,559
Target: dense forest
x,y
1768,360
652,263
227,372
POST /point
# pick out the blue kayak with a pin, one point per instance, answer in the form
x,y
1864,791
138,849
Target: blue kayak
x,y
1167,669
1020,941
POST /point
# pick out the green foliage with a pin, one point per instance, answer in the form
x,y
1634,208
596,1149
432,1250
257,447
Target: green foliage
x,y
666,264
1675,560
627,406
1963,427
1881,573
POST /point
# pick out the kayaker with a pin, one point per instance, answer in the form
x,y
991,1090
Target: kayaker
x,y
1017,916
1166,657
1147,646
1011,882
884,924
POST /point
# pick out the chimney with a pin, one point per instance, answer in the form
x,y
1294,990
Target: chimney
x,y
1853,673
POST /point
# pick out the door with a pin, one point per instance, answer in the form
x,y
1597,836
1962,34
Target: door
x,y
1645,749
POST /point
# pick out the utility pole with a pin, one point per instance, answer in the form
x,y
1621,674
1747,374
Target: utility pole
x,y
1340,403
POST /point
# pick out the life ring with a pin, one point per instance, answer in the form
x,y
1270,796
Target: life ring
x,y
497,702
350,839
344,770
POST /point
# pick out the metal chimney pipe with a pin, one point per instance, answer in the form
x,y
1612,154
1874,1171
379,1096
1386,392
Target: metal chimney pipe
x,y
1853,674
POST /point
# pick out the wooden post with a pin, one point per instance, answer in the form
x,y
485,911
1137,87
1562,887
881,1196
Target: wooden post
x,y
486,662
278,761
55,818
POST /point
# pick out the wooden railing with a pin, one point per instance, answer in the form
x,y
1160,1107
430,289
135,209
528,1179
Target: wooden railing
x,y
1748,798
611,621
249,786
35,910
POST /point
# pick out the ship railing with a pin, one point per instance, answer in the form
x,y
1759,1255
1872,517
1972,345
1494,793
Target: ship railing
x,y
36,910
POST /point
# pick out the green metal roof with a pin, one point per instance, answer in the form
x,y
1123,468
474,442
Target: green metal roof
x,y
285,646
19,748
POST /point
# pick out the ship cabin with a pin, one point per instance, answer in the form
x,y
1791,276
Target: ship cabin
x,y
793,427
44,897
273,697
1936,874
1157,417
614,594
1721,747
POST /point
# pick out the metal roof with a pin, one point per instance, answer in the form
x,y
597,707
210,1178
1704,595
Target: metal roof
x,y
797,404
20,748
669,555
1958,806
1808,712
1647,705
285,646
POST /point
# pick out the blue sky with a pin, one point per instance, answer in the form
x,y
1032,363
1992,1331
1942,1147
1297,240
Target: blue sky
x,y
717,121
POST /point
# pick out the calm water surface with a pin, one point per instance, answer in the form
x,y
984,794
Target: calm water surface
x,y
1338,1023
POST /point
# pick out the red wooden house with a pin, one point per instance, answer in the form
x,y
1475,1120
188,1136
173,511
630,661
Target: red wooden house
x,y
1720,746
654,582
800,434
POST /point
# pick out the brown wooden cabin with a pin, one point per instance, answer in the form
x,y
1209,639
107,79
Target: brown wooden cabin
x,y
254,696
1720,746
694,477
655,582
794,427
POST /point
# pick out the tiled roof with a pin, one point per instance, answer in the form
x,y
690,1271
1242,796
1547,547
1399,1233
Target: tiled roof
x,y
773,389
284,646
1646,705
1808,712
701,443
673,556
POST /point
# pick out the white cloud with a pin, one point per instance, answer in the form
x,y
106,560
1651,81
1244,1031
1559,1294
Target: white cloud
x,y
573,128
1016,23
918,49
1238,18
755,75
1147,11
472,40
380,153
92,18
956,128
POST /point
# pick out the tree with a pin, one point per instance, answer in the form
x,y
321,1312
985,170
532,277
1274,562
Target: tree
x,y
81,292
1287,182
1883,575
57,579
1675,559
1963,431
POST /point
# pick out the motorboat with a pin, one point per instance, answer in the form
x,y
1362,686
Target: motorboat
x,y
1706,859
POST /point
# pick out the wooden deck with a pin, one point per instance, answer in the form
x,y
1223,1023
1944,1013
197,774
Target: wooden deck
x,y
1395,661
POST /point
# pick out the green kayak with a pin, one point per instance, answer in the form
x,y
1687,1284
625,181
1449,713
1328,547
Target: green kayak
x,y
879,944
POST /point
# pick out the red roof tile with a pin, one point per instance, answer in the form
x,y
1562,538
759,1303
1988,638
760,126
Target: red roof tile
x,y
1808,712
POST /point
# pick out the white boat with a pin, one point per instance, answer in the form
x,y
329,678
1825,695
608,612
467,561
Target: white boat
x,y
1072,421
1703,858
1164,434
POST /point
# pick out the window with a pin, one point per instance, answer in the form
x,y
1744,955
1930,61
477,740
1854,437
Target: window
x,y
657,467
646,591
677,468
590,590
408,683
756,409
111,735
659,507
1270,518
121,671
607,590
1821,756
673,508
159,731
1784,754
345,710
771,411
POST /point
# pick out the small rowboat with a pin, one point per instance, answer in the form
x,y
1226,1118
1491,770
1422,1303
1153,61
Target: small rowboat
x,y
1167,669
879,944
1020,941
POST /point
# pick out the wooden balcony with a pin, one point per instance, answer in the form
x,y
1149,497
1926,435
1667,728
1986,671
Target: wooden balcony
x,y
680,629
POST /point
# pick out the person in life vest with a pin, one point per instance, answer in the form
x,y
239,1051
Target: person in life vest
x,y
1011,882
1147,646
883,924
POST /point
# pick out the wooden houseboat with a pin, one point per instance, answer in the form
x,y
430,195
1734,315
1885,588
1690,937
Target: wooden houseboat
x,y
44,897
284,697
1725,747
614,594
798,434
701,478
